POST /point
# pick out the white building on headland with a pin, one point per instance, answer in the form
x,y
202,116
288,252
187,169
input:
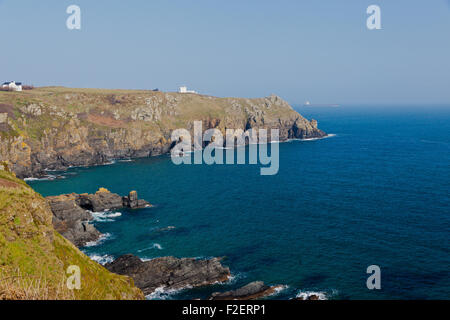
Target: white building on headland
x,y
184,89
12,86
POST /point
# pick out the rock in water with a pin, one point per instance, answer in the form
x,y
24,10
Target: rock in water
x,y
170,272
72,212
100,201
251,291
133,202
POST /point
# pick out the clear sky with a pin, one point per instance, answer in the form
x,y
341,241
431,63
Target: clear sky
x,y
311,50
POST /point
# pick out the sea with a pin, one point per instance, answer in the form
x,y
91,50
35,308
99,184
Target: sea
x,y
373,193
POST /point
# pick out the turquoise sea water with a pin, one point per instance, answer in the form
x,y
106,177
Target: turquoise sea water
x,y
375,194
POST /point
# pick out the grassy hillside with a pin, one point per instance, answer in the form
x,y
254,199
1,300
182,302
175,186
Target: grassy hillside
x,y
34,257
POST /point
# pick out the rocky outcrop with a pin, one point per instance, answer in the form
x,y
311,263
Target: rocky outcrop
x,y
52,134
252,291
73,212
169,272
71,221
104,200
132,201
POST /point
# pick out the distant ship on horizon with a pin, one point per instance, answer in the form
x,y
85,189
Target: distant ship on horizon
x,y
309,104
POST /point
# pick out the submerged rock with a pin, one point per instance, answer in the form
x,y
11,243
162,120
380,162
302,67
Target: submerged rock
x,y
169,272
251,291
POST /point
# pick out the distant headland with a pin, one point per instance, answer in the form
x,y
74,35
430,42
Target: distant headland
x,y
54,128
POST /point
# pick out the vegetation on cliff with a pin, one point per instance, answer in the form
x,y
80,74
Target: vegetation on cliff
x,y
53,128
34,258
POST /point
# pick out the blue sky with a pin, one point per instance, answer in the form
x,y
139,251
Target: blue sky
x,y
301,50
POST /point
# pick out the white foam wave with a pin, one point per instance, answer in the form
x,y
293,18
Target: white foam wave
x,y
305,295
234,277
102,259
162,293
106,216
99,241
331,135
153,246
46,178
278,290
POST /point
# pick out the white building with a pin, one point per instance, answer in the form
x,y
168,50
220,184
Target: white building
x,y
184,89
12,86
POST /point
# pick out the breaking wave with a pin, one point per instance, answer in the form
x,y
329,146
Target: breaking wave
x,y
305,295
49,177
102,259
154,246
162,293
100,240
106,216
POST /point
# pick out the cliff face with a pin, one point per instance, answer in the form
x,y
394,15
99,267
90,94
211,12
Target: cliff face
x,y
54,128
34,258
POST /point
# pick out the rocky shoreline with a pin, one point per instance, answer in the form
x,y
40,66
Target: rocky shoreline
x,y
72,213
44,132
72,217
170,273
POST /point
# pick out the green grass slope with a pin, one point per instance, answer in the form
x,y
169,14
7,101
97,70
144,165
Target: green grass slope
x,y
34,258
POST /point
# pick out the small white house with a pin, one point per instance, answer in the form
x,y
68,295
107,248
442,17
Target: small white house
x,y
12,86
184,89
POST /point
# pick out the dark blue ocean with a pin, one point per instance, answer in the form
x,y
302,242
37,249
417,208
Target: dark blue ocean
x,y
377,193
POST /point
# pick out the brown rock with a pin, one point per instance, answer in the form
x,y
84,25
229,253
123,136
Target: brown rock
x,y
71,221
72,213
252,291
99,130
169,272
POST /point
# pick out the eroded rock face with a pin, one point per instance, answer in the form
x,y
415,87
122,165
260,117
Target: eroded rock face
x,y
51,134
133,202
71,221
251,291
72,212
100,201
169,272
103,200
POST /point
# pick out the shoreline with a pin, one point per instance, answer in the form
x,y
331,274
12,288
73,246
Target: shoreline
x,y
110,162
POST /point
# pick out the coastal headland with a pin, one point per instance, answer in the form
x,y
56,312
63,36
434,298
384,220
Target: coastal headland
x,y
54,128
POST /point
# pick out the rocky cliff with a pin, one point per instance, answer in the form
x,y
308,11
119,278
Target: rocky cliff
x,y
34,258
72,213
54,128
